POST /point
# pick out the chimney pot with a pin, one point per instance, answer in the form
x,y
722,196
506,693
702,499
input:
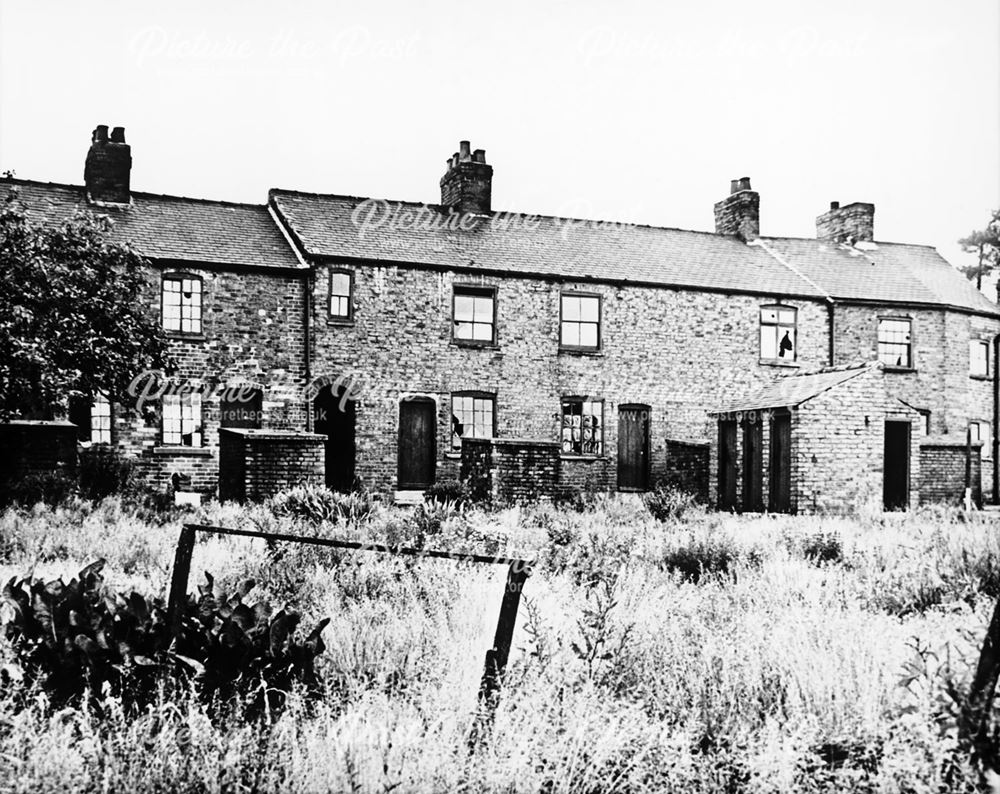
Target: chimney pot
x,y
107,170
739,213
468,183
835,205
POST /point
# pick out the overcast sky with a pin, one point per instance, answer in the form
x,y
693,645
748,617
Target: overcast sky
x,y
639,112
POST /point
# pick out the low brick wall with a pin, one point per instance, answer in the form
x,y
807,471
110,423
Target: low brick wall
x,y
687,467
32,447
587,475
256,464
942,470
510,470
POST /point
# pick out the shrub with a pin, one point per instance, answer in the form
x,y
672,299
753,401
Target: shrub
x,y
708,555
50,487
823,547
448,491
104,471
70,638
318,505
669,503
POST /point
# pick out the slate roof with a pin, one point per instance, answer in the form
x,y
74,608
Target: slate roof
x,y
795,389
882,272
541,246
325,226
172,227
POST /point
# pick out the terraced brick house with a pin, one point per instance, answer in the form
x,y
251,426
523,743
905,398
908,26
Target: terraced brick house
x,y
419,326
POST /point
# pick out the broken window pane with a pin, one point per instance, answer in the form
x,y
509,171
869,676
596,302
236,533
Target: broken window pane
x,y
473,313
182,420
778,333
582,431
181,298
471,416
894,342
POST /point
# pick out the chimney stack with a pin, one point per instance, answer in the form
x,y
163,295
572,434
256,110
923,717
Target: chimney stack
x,y
108,167
739,212
468,183
851,224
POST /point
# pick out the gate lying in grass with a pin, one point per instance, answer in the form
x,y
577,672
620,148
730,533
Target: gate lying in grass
x,y
496,657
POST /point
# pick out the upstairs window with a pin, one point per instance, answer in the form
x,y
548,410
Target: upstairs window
x,y
474,314
778,333
979,358
182,425
182,303
340,294
473,415
582,430
580,321
895,347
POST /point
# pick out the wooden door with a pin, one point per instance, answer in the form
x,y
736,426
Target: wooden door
x,y
753,466
896,466
335,418
780,470
417,438
727,465
633,448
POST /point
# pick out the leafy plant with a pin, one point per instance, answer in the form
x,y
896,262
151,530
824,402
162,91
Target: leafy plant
x,y
71,638
318,505
668,503
448,491
50,488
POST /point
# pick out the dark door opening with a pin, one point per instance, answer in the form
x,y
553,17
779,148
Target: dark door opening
x,y
633,447
896,466
417,444
780,471
727,465
753,467
334,418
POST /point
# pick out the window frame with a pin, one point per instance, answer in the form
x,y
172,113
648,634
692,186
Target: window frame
x,y
181,275
480,291
573,293
911,345
986,451
777,324
94,429
199,428
475,395
348,318
985,345
581,400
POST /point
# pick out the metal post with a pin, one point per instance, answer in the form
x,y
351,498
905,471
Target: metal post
x,y
179,579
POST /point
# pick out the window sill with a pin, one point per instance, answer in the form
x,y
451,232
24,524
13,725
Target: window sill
x,y
594,352
197,452
582,458
777,362
182,337
986,378
888,368
453,455
471,343
341,321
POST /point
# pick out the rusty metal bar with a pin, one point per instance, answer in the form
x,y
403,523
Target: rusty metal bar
x,y
357,546
179,579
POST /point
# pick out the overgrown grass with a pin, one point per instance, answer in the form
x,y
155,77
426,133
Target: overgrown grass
x,y
708,653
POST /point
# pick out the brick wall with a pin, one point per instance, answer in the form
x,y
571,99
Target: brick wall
x,y
679,352
687,467
257,464
511,471
940,381
942,470
253,334
35,447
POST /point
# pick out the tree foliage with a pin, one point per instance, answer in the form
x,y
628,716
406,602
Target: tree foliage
x,y
985,243
71,316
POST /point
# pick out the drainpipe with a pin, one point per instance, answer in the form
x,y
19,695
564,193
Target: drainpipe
x,y
994,438
307,342
830,304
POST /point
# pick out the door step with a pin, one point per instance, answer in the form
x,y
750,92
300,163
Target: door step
x,y
408,498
